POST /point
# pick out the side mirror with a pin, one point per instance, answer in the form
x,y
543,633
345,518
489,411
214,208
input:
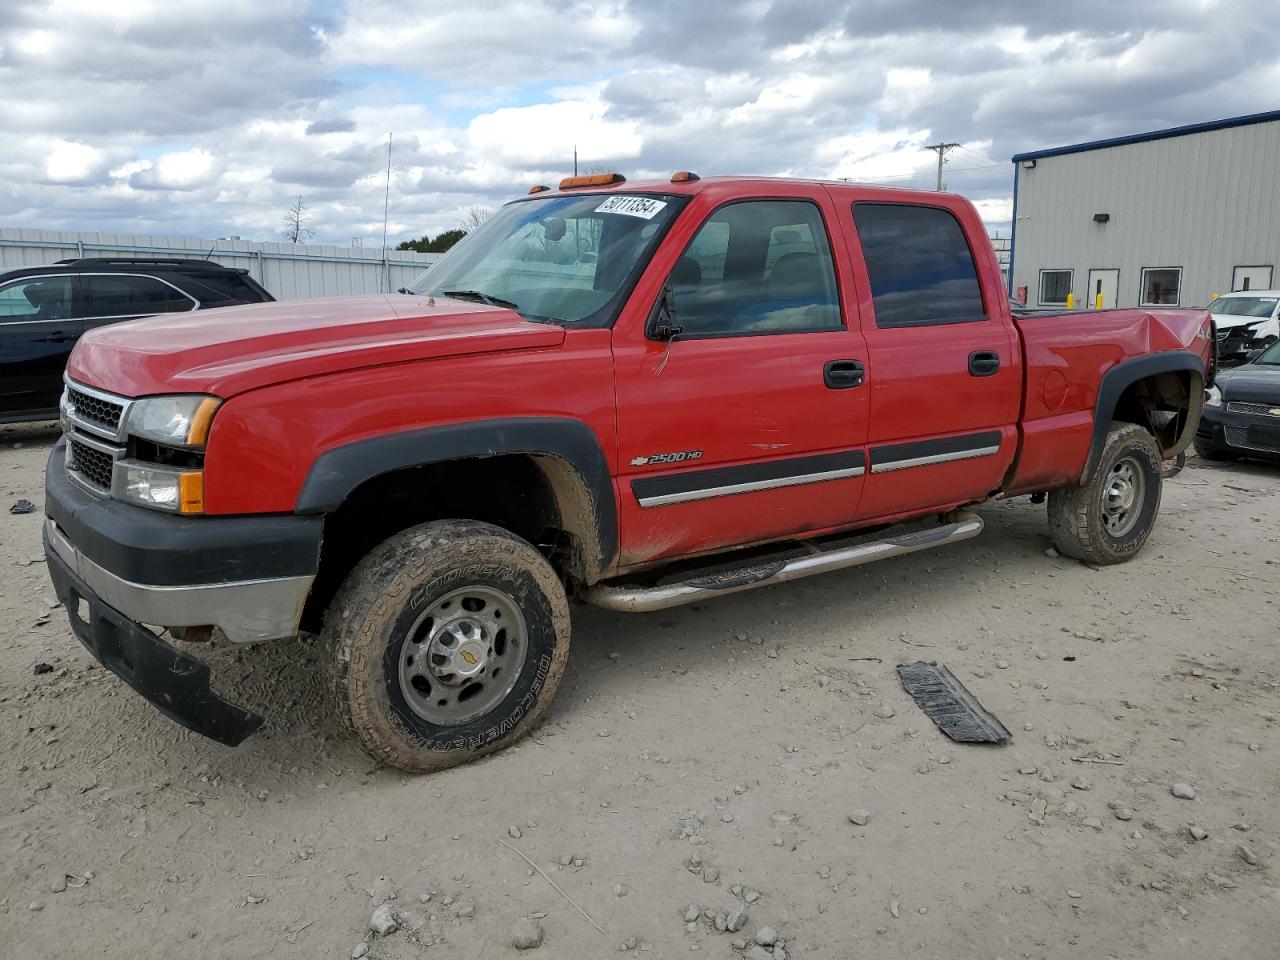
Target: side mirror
x,y
662,323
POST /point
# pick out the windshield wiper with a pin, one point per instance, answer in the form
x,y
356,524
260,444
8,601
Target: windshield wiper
x,y
482,297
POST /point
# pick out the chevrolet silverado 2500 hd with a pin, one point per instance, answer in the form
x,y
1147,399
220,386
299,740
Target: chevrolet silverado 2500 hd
x,y
632,394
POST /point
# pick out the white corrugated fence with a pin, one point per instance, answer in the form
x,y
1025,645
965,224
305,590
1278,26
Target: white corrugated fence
x,y
289,271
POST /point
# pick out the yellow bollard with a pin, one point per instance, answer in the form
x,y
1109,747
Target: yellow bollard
x,y
1097,302
1071,301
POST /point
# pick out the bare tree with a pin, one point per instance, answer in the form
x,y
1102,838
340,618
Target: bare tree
x,y
472,217
297,225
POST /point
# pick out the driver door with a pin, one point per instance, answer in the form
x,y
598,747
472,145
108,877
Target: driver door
x,y
750,425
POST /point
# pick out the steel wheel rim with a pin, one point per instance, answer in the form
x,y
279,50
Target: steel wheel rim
x,y
462,655
1123,497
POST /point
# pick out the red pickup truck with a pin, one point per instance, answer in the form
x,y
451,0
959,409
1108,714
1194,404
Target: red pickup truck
x,y
632,394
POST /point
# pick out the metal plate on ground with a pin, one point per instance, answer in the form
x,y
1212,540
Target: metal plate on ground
x,y
950,705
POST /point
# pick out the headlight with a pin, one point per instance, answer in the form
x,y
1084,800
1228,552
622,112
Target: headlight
x,y
181,421
165,488
1213,397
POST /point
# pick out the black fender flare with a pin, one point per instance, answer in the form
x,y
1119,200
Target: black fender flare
x,y
337,472
1124,375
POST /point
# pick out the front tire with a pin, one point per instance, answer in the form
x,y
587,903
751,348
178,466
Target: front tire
x,y
1110,517
448,643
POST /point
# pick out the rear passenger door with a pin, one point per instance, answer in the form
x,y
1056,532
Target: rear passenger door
x,y
944,366
114,297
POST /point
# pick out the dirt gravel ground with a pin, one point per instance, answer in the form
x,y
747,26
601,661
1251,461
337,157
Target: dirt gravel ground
x,y
705,758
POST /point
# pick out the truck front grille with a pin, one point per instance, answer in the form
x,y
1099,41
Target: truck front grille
x,y
1240,437
96,411
89,465
1257,409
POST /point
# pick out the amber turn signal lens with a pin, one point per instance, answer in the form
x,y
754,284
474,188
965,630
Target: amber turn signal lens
x,y
198,433
191,491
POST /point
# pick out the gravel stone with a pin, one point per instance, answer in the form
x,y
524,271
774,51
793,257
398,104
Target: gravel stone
x,y
691,913
1197,832
710,874
1082,783
514,832
526,934
859,817
1092,822
766,936
883,712
383,921
1183,791
361,949
1247,855
737,920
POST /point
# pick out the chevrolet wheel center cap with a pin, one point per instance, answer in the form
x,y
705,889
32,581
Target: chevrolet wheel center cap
x,y
469,660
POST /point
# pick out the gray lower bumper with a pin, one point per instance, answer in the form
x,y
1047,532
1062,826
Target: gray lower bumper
x,y
246,610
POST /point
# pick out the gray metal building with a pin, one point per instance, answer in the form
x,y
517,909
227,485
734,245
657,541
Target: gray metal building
x,y
1170,217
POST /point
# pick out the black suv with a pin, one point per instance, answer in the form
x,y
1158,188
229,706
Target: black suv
x,y
44,310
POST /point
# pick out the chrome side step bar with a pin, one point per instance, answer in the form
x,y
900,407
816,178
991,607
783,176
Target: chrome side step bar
x,y
638,599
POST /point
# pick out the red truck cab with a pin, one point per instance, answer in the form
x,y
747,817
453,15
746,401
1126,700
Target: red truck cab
x,y
637,395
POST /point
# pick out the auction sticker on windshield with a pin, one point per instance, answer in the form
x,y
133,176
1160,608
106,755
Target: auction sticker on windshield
x,y
643,207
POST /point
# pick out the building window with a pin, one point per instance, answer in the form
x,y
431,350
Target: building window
x,y
1160,286
1054,287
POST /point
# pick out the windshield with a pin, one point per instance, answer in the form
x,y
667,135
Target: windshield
x,y
1243,306
559,260
1270,356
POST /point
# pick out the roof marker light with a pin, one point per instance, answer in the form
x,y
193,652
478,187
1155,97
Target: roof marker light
x,y
595,180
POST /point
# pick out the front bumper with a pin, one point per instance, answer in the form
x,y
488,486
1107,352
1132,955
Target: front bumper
x,y
1245,433
176,684
248,576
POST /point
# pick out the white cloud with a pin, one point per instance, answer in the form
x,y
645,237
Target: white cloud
x,y
70,162
181,170
547,133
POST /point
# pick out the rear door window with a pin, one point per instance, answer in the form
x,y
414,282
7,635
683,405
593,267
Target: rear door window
x,y
921,268
221,289
109,295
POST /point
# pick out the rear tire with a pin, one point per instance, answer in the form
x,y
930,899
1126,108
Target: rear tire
x,y
1110,517
1208,451
448,642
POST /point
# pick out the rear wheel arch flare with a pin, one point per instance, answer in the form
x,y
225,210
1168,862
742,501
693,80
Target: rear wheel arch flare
x,y
1133,389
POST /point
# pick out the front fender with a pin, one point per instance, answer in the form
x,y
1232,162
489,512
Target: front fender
x,y
337,472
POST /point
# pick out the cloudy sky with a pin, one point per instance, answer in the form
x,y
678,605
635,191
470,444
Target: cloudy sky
x,y
208,117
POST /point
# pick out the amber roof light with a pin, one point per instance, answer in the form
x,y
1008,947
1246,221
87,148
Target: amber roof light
x,y
539,188
594,180
684,176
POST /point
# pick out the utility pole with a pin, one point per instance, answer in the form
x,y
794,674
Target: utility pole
x,y
575,159
941,149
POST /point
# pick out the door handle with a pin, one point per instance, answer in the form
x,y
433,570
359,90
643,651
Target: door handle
x,y
843,374
983,363
58,338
